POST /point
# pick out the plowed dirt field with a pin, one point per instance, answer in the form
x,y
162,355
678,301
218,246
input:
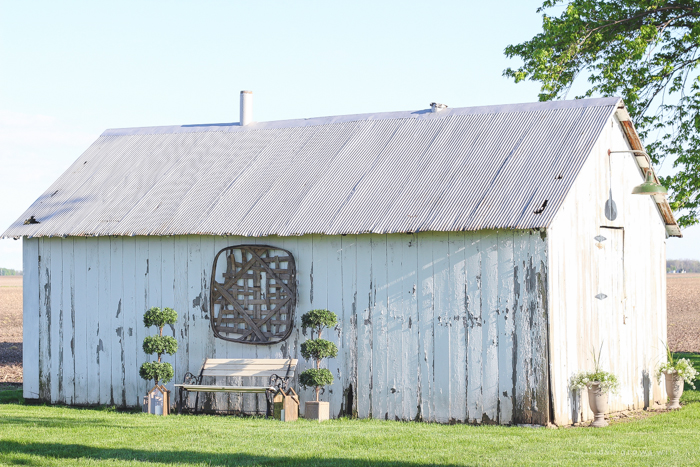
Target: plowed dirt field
x,y
10,329
683,295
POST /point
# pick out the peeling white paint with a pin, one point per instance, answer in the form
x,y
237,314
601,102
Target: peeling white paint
x,y
424,332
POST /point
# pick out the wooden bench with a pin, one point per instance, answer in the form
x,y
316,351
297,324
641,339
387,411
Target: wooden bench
x,y
279,371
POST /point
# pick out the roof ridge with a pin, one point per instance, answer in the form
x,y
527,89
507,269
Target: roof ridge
x,y
330,120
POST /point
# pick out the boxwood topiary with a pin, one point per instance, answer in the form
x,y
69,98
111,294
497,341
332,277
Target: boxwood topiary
x,y
317,349
316,378
317,320
160,344
159,317
156,371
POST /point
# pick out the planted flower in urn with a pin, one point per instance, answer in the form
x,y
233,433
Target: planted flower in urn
x,y
599,383
675,373
316,350
157,400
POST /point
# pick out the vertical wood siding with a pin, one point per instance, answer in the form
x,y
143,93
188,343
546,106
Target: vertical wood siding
x,y
31,318
629,267
432,326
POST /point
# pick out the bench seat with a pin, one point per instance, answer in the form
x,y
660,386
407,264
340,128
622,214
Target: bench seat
x,y
215,388
280,372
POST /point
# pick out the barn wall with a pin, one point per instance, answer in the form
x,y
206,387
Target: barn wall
x,y
30,318
628,267
433,326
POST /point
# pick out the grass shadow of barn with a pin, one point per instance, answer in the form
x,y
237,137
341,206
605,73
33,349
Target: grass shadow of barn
x,y
23,454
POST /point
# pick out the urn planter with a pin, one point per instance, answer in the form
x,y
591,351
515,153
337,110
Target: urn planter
x,y
674,389
317,410
598,401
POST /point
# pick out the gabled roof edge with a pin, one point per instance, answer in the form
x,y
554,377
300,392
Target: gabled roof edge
x,y
672,228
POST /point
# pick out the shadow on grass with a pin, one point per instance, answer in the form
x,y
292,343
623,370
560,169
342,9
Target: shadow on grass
x,y
62,422
10,395
16,453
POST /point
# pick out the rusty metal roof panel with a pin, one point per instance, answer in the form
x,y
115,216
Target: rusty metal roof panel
x,y
458,169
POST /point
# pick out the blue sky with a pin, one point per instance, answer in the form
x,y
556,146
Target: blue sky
x,y
72,69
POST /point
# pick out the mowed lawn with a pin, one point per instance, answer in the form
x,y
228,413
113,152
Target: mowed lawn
x,y
45,435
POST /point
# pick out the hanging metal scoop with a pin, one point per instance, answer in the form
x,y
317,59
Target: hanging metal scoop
x,y
610,208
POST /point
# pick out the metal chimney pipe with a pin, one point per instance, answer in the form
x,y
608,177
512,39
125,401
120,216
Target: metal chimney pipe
x,y
246,107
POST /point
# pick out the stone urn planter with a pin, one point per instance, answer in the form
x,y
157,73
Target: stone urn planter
x,y
676,373
317,410
599,383
674,389
598,401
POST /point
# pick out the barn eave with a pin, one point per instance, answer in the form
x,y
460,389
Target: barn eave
x,y
665,211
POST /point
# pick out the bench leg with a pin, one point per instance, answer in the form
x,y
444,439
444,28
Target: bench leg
x,y
268,398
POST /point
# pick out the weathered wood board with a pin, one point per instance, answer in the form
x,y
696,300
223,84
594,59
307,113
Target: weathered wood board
x,y
432,326
30,309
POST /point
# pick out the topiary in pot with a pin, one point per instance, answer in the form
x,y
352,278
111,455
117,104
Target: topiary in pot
x,y
317,349
160,372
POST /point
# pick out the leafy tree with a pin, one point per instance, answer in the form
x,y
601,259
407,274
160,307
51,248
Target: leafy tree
x,y
317,349
647,52
687,265
160,344
9,272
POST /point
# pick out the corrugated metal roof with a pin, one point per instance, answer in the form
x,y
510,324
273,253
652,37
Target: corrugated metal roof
x,y
458,169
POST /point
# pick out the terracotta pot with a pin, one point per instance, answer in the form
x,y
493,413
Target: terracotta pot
x,y
598,400
674,389
317,410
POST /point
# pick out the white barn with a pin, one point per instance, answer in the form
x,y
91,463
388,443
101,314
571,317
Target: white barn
x,y
466,251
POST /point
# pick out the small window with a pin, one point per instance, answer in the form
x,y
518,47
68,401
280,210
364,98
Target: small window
x,y
253,294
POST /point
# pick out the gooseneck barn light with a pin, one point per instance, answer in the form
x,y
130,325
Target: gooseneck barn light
x,y
650,186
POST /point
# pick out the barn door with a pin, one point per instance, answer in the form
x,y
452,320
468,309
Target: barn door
x,y
612,268
611,291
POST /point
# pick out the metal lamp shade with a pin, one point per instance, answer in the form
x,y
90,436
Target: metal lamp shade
x,y
649,187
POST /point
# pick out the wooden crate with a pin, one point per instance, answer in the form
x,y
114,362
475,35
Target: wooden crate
x,y
286,406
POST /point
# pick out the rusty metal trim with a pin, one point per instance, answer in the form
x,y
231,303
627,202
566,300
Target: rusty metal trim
x,y
672,228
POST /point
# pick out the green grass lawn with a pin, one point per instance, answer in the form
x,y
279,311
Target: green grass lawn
x,y
45,435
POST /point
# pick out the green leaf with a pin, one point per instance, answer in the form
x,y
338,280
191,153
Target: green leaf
x,y
315,378
318,349
159,318
647,52
159,345
606,380
159,372
318,319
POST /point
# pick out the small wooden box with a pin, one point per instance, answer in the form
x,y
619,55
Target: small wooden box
x,y
286,406
157,401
